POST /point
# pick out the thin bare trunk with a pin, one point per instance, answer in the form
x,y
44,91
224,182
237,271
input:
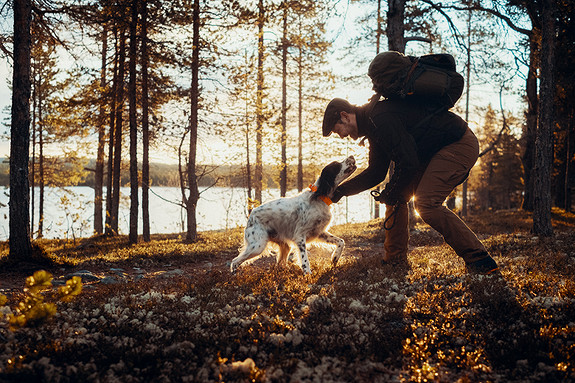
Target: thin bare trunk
x,y
530,133
379,30
568,157
248,164
467,91
20,245
99,174
41,185
544,141
283,166
111,141
118,134
378,33
258,176
194,195
33,158
133,235
300,120
395,25
145,128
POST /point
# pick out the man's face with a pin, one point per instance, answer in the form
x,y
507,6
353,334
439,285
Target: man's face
x,y
346,126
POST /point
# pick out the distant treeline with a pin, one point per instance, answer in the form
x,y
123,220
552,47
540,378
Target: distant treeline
x,y
208,175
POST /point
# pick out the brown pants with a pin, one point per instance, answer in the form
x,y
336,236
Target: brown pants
x,y
447,169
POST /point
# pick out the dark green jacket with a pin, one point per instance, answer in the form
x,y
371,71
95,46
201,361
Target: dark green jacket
x,y
392,131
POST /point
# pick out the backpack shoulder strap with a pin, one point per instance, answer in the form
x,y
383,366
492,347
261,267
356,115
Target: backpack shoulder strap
x,y
410,78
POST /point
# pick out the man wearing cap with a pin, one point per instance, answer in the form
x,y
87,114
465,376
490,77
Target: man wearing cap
x,y
431,159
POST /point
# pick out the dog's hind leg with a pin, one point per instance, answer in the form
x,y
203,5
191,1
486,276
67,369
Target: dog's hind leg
x,y
256,240
283,254
332,239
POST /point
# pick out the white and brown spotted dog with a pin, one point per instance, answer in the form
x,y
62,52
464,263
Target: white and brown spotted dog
x,y
296,220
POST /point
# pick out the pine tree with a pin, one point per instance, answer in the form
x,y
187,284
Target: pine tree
x,y
99,170
544,141
119,85
194,195
44,72
145,125
20,245
134,182
496,181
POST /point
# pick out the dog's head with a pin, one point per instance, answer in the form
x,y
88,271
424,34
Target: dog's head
x,y
334,174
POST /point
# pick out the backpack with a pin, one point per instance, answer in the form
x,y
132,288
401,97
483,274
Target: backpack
x,y
432,77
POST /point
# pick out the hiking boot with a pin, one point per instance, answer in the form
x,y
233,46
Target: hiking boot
x,y
485,266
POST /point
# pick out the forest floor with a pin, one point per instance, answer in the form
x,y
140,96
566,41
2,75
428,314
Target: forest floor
x,y
174,312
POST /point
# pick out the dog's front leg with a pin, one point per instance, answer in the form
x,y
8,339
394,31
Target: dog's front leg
x,y
303,256
332,239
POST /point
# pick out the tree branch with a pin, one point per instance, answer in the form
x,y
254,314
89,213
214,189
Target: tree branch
x,y
493,12
439,8
415,38
5,50
496,141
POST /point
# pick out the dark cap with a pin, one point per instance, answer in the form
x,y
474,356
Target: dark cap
x,y
332,114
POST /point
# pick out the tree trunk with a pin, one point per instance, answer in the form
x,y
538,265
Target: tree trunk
x,y
99,173
258,176
378,33
395,25
283,166
247,135
41,183
467,91
133,235
568,157
396,42
133,52
111,142
33,158
379,30
300,120
194,195
544,141
530,133
248,167
19,240
118,134
145,128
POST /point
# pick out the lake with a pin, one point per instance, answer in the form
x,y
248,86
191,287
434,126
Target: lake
x,y
69,212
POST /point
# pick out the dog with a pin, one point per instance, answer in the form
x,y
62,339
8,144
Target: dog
x,y
296,220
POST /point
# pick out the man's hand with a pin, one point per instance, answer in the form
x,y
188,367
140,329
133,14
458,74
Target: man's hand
x,y
336,196
386,196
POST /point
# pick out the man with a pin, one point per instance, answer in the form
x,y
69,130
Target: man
x,y
433,152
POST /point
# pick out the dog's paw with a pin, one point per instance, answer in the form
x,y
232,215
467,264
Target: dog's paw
x,y
233,267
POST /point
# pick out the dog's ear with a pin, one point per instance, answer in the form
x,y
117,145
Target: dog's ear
x,y
326,183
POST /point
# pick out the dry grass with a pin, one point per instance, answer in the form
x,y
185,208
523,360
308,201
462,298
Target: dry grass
x,y
359,322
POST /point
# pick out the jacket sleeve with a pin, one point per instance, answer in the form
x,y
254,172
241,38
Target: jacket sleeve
x,y
395,139
370,177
